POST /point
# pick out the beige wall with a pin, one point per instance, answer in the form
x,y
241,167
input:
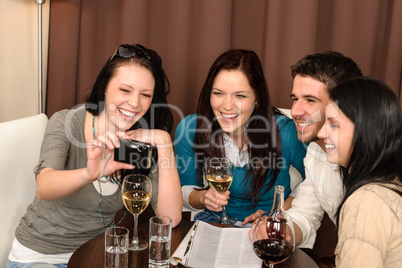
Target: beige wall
x,y
19,57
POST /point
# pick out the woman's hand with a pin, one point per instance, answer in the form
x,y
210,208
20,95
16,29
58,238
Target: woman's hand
x,y
214,201
170,198
155,137
54,184
98,152
253,217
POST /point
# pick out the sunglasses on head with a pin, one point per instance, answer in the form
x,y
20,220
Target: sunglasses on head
x,y
128,51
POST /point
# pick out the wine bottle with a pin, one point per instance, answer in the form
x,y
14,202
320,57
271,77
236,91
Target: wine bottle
x,y
273,235
276,223
279,197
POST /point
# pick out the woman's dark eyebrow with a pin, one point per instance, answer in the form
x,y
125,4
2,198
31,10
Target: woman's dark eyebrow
x,y
237,92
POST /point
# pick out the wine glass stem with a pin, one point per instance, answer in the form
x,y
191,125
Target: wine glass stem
x,y
224,216
135,234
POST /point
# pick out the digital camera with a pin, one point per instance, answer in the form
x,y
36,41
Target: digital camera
x,y
136,153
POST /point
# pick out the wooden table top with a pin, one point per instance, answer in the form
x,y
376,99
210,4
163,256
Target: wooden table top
x,y
91,254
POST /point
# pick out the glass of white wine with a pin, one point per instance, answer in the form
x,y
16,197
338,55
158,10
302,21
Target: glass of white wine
x,y
219,175
137,192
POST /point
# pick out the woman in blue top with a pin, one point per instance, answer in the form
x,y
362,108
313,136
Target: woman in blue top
x,y
235,120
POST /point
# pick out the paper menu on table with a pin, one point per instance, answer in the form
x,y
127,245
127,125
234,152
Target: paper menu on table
x,y
212,246
182,251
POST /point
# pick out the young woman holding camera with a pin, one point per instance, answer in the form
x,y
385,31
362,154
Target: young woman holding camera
x,y
128,100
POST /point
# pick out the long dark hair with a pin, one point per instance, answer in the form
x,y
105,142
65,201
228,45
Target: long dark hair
x,y
263,118
377,140
161,117
158,116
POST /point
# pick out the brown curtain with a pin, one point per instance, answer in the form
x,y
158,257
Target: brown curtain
x,y
190,34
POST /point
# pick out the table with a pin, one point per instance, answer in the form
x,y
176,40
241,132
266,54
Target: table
x,y
91,254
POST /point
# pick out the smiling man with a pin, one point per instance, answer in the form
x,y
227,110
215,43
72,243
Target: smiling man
x,y
309,97
314,76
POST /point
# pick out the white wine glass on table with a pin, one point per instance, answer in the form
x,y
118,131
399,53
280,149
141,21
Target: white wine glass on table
x,y
137,192
273,236
219,175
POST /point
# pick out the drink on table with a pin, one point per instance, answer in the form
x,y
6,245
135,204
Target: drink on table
x,y
136,195
116,257
273,235
219,175
160,233
116,247
136,201
220,183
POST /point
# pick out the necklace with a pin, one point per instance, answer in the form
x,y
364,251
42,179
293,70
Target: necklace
x,y
93,127
100,188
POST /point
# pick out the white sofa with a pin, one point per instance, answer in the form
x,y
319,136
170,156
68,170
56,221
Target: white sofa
x,y
20,142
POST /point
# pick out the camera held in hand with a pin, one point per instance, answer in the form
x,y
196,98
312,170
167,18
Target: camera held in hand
x,y
136,153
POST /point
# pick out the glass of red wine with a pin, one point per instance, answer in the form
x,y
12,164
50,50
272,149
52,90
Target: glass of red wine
x,y
273,238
